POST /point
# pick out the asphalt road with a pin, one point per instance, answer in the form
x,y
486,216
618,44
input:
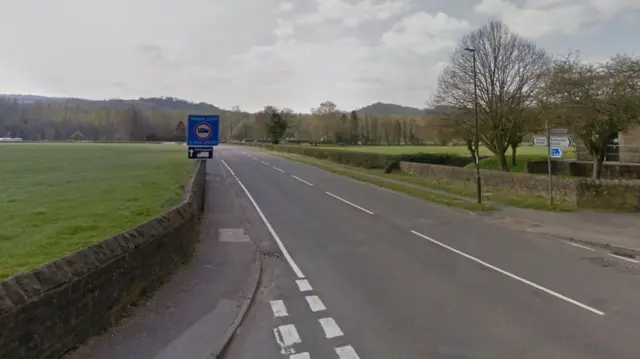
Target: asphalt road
x,y
368,273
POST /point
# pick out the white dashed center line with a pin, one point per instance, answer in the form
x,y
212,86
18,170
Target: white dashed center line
x,y
513,276
278,308
330,327
347,352
264,163
624,258
315,304
349,203
303,285
277,169
301,180
580,246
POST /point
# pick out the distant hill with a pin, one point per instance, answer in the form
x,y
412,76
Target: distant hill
x,y
389,109
169,103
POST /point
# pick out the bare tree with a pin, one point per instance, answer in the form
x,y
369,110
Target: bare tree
x,y
510,70
595,100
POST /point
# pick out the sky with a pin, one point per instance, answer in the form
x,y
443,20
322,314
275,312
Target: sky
x,y
287,53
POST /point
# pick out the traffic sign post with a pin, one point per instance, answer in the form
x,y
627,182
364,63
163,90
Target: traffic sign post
x,y
200,153
202,135
555,141
556,152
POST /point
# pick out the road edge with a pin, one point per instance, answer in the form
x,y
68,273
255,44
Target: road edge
x,y
250,289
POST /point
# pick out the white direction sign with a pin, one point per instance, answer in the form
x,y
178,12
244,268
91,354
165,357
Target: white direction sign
x,y
556,141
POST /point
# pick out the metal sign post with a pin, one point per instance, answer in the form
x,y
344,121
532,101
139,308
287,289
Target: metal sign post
x,y
549,164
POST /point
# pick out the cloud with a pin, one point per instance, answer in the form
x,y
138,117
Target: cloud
x,y
425,33
540,18
354,14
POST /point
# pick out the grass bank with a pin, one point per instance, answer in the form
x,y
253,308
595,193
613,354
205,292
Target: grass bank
x,y
58,198
443,192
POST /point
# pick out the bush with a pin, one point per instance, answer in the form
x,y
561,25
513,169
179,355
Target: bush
x,y
368,160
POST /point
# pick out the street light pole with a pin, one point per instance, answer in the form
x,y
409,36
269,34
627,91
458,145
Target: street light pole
x,y
477,139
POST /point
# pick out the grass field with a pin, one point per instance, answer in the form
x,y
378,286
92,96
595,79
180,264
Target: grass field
x,y
58,198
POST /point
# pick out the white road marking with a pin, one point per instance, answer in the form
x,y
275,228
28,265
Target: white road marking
x,y
349,203
277,169
581,246
304,355
347,352
254,158
315,304
278,308
624,258
284,251
286,336
537,286
330,327
264,163
301,180
303,285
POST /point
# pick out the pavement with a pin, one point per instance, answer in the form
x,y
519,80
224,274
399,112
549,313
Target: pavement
x,y
364,272
197,309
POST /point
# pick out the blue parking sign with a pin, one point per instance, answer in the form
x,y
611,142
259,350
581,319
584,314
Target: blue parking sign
x,y
203,130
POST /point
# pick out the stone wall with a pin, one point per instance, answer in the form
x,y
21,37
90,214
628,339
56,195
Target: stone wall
x,y
621,195
53,308
585,169
518,183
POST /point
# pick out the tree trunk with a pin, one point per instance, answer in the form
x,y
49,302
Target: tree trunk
x,y
513,155
502,160
597,166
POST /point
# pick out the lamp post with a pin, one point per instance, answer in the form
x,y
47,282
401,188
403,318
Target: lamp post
x,y
477,139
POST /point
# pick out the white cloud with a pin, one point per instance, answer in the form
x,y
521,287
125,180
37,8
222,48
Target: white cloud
x,y
354,14
539,18
284,7
425,33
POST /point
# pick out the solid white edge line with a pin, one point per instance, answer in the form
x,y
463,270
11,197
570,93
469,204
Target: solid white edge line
x,y
624,258
303,285
304,355
349,203
581,246
278,308
315,304
284,251
301,180
346,352
537,286
277,169
330,327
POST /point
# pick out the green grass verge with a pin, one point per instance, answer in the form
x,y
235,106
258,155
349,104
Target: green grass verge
x,y
58,198
498,196
361,176
454,150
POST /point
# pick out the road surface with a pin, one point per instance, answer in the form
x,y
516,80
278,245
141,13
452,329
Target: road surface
x,y
356,271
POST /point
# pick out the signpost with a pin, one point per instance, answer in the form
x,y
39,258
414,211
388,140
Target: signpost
x,y
554,145
200,153
202,136
556,152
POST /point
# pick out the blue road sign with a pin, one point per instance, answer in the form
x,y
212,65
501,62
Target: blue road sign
x,y
203,130
555,152
200,153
